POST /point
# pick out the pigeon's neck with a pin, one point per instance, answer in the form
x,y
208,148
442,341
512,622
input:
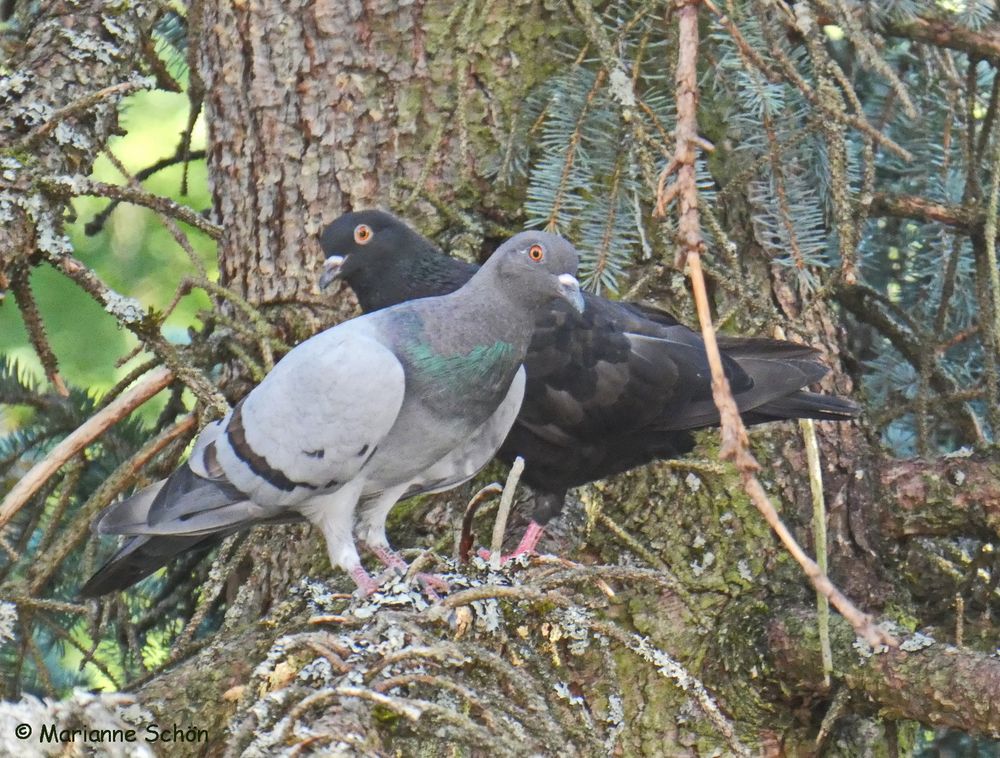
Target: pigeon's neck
x,y
495,309
486,318
449,369
425,273
455,346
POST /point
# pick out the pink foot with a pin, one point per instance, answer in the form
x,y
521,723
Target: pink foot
x,y
366,585
528,543
390,559
428,582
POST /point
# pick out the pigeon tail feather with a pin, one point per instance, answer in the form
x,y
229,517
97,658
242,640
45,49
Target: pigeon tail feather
x,y
803,404
141,556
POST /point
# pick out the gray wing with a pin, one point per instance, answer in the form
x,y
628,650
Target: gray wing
x,y
308,428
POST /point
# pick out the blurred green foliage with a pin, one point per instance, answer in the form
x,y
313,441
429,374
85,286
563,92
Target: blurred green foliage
x,y
134,253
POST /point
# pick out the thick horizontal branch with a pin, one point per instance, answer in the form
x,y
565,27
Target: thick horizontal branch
x,y
984,43
200,683
924,680
942,496
921,209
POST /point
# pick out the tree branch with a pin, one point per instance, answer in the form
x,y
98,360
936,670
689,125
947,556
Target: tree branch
x,y
871,308
73,186
924,680
42,471
928,211
943,496
984,43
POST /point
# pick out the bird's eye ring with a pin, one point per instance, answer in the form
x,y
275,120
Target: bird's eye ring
x,y
536,252
363,234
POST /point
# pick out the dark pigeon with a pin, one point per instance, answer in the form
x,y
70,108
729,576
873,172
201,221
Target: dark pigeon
x,y
414,398
614,387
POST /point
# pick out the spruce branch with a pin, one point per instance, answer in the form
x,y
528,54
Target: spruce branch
x,y
43,569
940,32
875,310
25,299
42,471
74,186
866,43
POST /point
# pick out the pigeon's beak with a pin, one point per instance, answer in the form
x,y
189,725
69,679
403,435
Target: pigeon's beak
x,y
331,270
569,288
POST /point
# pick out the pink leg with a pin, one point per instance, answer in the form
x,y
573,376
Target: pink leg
x,y
530,540
527,544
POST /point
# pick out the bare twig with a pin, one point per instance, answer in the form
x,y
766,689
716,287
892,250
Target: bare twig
x,y
42,471
819,539
167,221
506,500
466,538
735,445
990,243
97,222
73,186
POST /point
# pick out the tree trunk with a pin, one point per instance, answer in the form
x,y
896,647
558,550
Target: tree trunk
x,y
324,107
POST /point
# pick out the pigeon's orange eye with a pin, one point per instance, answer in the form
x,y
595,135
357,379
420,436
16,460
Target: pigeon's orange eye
x,y
536,252
362,234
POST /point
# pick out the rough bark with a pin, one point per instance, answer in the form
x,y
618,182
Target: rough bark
x,y
950,496
924,680
323,107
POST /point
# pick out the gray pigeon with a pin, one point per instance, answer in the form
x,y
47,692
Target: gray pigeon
x,y
414,398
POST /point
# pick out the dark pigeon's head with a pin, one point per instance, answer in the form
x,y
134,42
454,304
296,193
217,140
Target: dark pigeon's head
x,y
536,267
363,241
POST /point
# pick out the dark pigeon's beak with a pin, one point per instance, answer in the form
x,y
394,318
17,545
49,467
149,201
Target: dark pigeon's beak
x,y
569,288
331,270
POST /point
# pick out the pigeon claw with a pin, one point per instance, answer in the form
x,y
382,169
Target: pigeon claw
x,y
486,555
390,559
429,583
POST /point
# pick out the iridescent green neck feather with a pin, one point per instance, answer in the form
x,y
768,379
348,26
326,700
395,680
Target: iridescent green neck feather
x,y
461,368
